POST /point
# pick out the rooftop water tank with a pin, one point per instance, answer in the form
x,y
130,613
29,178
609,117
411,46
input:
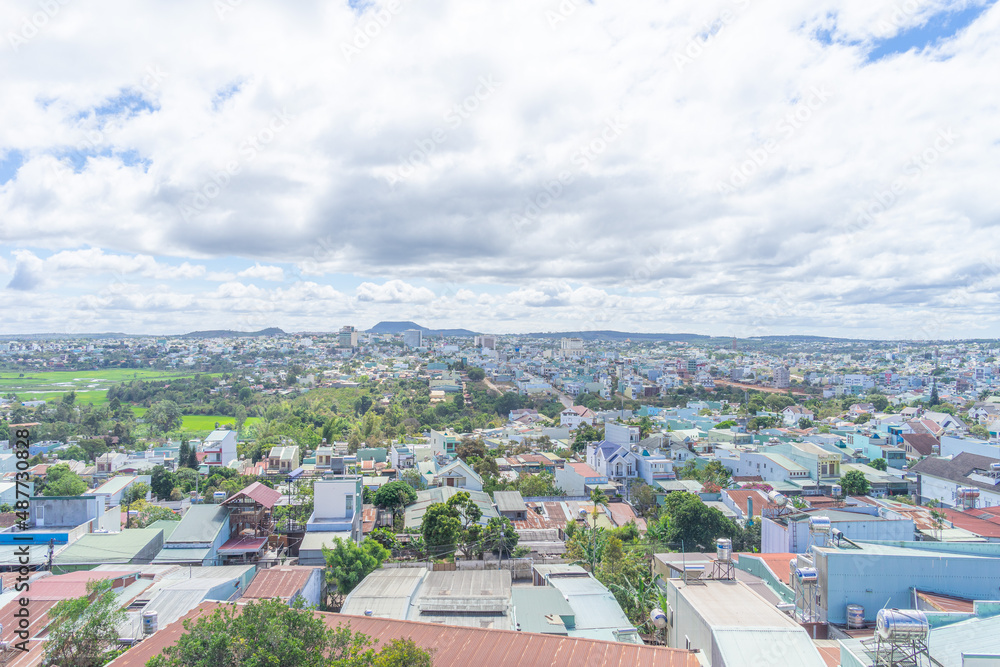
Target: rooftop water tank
x,y
150,622
777,498
658,618
902,625
836,490
819,524
968,492
724,549
807,575
855,616
219,495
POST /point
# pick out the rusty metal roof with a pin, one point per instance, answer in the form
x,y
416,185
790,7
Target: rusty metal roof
x,y
259,493
243,544
461,646
945,602
279,582
38,617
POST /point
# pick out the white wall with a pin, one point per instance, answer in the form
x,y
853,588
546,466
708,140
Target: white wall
x,y
330,498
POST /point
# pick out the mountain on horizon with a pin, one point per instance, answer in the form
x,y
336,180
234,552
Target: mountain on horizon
x,y
228,333
399,327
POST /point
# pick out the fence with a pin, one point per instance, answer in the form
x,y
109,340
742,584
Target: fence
x,y
519,568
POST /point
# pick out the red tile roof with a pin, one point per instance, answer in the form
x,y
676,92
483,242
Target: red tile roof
x,y
461,646
739,497
72,585
259,493
279,582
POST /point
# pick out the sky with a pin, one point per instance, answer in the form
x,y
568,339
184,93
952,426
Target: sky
x,y
726,167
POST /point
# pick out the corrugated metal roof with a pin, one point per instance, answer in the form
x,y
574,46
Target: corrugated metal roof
x,y
461,647
509,501
766,646
259,493
540,609
243,545
201,523
279,582
118,547
195,555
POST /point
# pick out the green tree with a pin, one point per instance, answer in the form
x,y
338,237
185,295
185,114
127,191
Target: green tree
x,y
980,432
441,529
152,513
162,481
879,464
94,447
268,633
805,423
476,374
643,499
863,418
348,563
694,523
394,496
879,402
854,483
164,416
61,481
540,484
412,477
83,631
500,537
135,492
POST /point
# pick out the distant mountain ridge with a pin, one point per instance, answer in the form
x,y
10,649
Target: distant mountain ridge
x,y
396,328
228,333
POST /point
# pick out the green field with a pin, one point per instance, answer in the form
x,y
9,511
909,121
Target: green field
x,y
90,386
206,423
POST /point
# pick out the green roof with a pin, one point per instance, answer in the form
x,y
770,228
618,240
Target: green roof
x,y
167,526
99,548
201,523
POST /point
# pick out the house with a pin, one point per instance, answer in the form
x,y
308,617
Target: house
x,y
622,434
791,533
457,473
288,583
579,479
772,467
220,448
940,479
919,445
653,464
510,504
413,515
110,462
617,462
576,415
337,514
197,538
402,456
283,458
793,413
113,490
444,442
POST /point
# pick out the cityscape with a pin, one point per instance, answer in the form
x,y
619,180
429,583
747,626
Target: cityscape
x,y
386,333
680,499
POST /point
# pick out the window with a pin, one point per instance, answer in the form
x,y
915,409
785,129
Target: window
x,y
349,503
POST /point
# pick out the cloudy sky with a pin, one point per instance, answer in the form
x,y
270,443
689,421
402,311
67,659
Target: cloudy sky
x,y
732,167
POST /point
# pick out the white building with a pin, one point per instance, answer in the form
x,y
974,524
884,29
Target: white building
x,y
220,448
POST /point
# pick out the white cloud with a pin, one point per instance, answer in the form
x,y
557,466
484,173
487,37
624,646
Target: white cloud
x,y
273,273
611,163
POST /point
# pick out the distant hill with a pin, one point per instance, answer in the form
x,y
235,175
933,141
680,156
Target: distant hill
x,y
228,333
400,327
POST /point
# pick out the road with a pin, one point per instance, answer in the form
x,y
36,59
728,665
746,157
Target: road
x,y
757,387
